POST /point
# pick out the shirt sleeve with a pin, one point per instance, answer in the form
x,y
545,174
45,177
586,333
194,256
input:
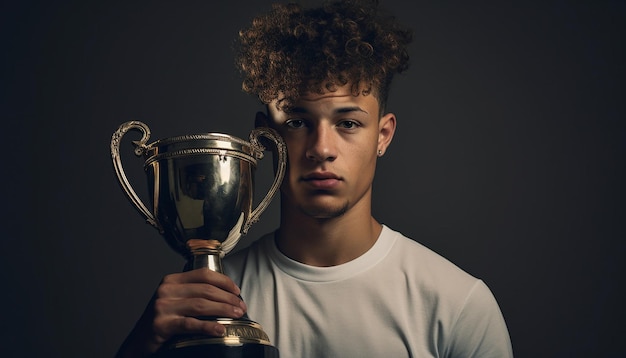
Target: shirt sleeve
x,y
480,330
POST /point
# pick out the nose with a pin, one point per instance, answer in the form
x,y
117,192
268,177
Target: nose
x,y
321,146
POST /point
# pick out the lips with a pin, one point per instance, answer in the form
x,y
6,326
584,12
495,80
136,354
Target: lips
x,y
322,180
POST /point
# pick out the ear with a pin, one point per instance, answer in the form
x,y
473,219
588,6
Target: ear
x,y
261,120
386,129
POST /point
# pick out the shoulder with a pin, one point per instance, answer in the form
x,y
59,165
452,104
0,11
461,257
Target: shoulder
x,y
236,262
468,313
432,267
480,329
437,281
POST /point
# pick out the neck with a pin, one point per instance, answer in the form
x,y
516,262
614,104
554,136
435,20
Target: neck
x,y
326,242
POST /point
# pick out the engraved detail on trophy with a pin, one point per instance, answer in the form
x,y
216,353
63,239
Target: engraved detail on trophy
x,y
201,194
245,332
237,334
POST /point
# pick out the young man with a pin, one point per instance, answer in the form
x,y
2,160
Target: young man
x,y
331,281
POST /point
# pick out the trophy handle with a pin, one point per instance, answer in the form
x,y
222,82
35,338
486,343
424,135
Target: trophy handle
x,y
140,147
258,149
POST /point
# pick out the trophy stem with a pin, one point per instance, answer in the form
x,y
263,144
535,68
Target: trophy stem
x,y
204,254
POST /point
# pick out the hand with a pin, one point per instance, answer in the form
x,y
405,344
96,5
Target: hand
x,y
179,299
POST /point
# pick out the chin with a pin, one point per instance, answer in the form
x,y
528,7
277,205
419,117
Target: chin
x,y
324,212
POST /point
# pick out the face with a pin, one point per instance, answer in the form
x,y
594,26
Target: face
x,y
333,140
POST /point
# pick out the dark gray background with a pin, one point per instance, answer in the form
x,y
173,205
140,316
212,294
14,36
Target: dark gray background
x,y
508,160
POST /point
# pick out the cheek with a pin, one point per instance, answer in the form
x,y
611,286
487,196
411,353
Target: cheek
x,y
365,165
293,155
294,151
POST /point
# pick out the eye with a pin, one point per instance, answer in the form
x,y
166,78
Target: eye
x,y
295,123
348,124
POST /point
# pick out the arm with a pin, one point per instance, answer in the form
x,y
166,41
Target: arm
x,y
180,298
480,330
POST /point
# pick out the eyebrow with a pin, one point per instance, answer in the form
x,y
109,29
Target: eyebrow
x,y
336,111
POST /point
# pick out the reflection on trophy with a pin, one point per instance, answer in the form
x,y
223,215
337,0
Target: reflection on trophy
x,y
201,191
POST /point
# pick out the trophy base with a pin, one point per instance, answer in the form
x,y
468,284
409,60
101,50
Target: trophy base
x,y
247,350
244,338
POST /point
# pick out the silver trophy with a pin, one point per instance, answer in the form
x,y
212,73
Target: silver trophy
x,y
201,193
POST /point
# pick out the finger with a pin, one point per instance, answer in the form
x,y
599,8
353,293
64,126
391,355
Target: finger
x,y
181,316
198,291
188,325
203,275
196,307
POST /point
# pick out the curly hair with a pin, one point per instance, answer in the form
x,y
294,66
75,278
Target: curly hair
x,y
293,50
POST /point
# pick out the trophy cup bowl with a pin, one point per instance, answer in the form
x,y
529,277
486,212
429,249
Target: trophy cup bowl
x,y
201,189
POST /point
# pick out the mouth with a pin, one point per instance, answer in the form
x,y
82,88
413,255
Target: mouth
x,y
322,180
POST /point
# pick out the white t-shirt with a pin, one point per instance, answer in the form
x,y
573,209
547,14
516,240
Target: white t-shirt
x,y
399,299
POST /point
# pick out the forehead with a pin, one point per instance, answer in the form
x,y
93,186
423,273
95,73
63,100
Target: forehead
x,y
329,100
